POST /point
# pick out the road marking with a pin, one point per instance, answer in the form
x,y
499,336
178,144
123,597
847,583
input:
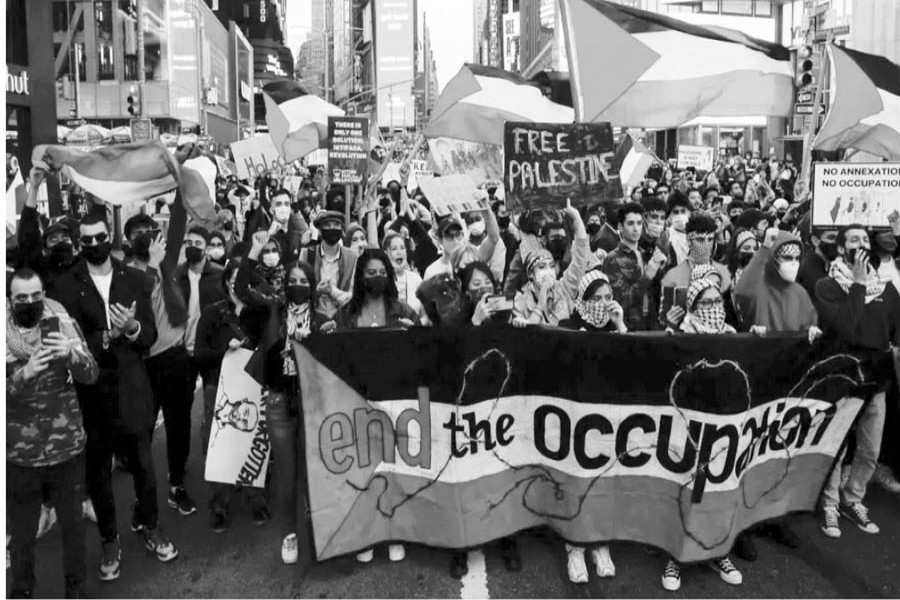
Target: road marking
x,y
474,583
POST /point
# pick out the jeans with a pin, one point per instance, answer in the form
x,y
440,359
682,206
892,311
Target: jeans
x,y
135,449
173,390
283,434
25,489
869,430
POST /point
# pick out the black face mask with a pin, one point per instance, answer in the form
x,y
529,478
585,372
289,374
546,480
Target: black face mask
x,y
503,222
745,259
593,228
332,236
297,294
193,254
97,254
28,314
829,250
558,248
141,246
61,255
228,226
375,286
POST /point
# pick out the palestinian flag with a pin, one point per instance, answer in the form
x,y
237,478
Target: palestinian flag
x,y
865,105
639,69
135,173
635,159
15,200
475,103
297,120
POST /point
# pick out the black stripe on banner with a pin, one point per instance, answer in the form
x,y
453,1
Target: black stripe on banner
x,y
634,20
577,366
497,73
282,90
883,73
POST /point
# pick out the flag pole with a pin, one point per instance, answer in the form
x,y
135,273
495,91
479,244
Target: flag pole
x,y
811,130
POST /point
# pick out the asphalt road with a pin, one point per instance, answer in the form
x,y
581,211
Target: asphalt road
x,y
245,562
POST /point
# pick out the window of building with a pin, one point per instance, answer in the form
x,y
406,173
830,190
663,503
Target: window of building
x,y
16,28
763,8
709,6
737,7
104,18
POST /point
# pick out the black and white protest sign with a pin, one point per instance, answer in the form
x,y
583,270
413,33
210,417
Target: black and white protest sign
x,y
348,156
699,157
547,163
849,193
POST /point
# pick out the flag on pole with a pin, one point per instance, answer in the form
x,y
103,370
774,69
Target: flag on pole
x,y
133,173
297,120
865,105
636,159
475,103
639,69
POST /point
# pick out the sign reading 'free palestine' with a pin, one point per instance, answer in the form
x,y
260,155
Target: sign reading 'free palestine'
x,y
547,163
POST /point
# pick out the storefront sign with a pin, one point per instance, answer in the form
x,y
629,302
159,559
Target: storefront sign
x,y
348,156
699,157
17,83
848,193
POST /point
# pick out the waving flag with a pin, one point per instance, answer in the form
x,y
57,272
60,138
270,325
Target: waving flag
x,y
639,69
297,120
865,104
479,99
636,159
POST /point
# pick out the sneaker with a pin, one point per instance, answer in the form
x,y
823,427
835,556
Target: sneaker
x,y
459,565
261,515
858,514
671,578
218,521
136,525
180,501
576,566
87,511
831,522
159,544
366,556
512,560
744,548
886,479
110,559
601,558
396,552
289,552
727,571
46,521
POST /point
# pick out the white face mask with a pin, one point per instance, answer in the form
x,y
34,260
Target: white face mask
x,y
679,222
282,213
216,253
788,270
477,228
271,259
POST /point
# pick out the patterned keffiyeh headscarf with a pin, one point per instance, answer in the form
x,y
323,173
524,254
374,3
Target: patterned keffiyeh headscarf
x,y
297,318
840,271
705,319
593,312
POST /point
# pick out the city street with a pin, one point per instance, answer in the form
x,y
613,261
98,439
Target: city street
x,y
245,561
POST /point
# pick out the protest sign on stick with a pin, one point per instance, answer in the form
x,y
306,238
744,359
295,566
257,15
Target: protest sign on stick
x,y
453,193
238,451
546,164
256,156
348,155
848,193
699,157
481,162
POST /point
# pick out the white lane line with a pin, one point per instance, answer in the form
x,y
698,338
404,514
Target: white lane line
x,y
474,583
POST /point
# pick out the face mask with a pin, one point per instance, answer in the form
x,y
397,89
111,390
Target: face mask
x,y
193,254
479,294
679,222
745,259
228,226
62,254
654,230
297,294
829,250
271,259
503,222
700,252
593,228
451,247
375,286
216,253
558,248
28,314
887,242
141,245
477,228
98,254
282,213
331,236
788,270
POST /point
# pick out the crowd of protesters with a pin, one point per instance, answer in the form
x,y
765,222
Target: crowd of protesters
x,y
138,327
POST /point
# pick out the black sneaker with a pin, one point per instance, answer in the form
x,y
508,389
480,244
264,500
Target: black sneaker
x,y
261,515
459,565
218,521
180,501
110,560
136,525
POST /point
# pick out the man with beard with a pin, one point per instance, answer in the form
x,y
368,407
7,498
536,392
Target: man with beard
x,y
111,303
816,264
52,254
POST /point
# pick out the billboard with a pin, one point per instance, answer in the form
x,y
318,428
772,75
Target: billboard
x,y
511,42
394,66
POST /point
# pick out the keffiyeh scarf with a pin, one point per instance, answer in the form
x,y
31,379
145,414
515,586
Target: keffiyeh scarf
x,y
297,319
592,311
841,272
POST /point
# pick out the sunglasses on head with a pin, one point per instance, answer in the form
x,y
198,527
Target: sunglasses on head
x,y
88,240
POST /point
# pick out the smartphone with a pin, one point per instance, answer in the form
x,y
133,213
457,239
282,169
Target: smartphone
x,y
49,325
677,296
501,302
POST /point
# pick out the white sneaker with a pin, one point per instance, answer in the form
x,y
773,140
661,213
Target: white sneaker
x,y
87,511
366,556
886,479
727,571
396,552
604,562
831,521
289,552
671,577
46,521
577,568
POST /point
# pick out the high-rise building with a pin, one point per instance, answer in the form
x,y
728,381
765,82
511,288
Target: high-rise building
x,y
479,15
394,44
509,39
426,90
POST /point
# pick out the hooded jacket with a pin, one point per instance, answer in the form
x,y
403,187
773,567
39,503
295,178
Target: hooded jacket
x,y
764,298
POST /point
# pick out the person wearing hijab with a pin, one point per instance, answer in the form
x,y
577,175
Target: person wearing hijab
x,y
595,307
706,309
741,252
217,250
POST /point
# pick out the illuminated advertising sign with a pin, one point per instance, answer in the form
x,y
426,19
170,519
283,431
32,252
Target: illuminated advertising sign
x,y
395,41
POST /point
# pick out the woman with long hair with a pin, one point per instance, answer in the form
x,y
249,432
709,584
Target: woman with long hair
x,y
408,280
375,301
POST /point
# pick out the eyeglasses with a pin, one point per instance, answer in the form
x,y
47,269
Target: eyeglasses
x,y
88,240
710,303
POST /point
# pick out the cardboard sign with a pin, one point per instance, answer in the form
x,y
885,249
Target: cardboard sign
x,y
547,163
317,157
453,193
348,156
256,156
238,451
699,157
480,162
848,193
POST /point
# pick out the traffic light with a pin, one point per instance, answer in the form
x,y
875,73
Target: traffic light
x,y
806,66
133,102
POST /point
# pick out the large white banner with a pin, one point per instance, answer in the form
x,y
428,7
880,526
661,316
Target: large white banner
x,y
849,193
